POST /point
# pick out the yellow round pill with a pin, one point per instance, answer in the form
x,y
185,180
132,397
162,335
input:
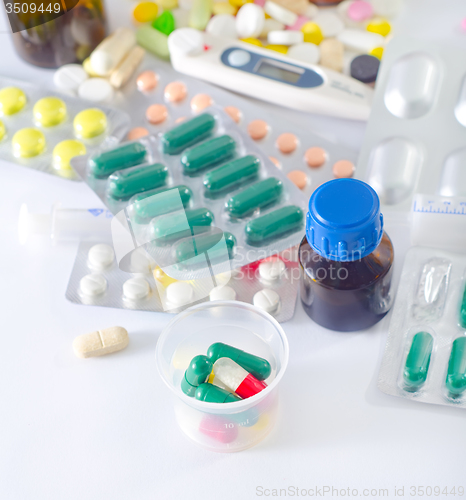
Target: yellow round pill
x,y
219,8
377,52
64,151
283,49
90,123
252,41
28,142
12,100
145,12
380,26
2,130
312,33
49,111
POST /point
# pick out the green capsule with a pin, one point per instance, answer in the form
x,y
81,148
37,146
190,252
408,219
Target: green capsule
x,y
160,202
258,195
153,40
463,311
165,23
213,394
179,225
209,242
259,367
187,134
232,174
126,183
129,155
285,220
197,373
418,361
456,375
208,154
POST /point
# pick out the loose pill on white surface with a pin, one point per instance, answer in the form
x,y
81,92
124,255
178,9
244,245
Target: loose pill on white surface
x,y
361,41
271,25
96,90
93,285
305,52
136,289
250,21
268,300
329,23
332,53
222,293
101,342
271,270
69,77
222,25
127,67
179,294
280,14
108,54
100,256
285,37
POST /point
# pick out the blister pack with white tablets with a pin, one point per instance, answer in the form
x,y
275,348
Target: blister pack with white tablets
x,y
43,130
415,139
157,98
96,279
201,198
425,354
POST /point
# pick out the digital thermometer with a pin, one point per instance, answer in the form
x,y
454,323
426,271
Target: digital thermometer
x,y
250,70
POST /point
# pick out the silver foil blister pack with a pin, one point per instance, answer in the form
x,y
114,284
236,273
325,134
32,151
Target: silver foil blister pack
x,y
425,354
117,126
182,249
148,288
415,139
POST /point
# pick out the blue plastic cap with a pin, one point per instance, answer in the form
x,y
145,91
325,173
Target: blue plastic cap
x,y
344,222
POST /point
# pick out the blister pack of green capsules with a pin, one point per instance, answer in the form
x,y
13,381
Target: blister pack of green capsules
x,y
425,355
200,198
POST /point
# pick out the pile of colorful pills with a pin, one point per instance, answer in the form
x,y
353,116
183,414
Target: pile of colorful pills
x,y
349,38
45,131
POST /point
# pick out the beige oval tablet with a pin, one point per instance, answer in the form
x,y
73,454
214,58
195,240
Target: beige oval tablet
x,y
175,91
315,157
287,143
101,342
233,112
137,133
157,113
343,169
200,102
258,129
298,178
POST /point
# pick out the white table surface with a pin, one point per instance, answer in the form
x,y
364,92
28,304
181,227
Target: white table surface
x,y
104,429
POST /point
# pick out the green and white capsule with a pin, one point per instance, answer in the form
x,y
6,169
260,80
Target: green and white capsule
x,y
257,366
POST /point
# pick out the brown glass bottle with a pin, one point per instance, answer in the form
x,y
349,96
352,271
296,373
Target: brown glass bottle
x,y
69,38
346,258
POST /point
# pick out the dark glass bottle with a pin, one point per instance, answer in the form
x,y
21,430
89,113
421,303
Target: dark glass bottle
x,y
346,257
68,38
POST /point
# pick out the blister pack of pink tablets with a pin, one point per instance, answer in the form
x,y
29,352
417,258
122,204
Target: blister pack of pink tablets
x,y
96,279
201,198
158,96
42,129
415,139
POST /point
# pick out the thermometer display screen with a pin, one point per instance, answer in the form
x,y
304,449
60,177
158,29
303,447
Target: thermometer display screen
x,y
271,70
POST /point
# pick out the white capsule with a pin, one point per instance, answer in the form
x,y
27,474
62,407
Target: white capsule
x,y
100,256
222,293
305,52
250,21
136,289
96,90
279,13
92,285
69,77
222,25
360,41
285,37
271,25
108,54
329,23
101,342
127,67
179,294
268,300
271,270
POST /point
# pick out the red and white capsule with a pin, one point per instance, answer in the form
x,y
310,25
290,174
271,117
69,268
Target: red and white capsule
x,y
237,379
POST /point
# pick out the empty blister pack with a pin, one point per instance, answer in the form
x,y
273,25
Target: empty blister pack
x,y
415,139
42,129
157,97
425,355
96,279
200,197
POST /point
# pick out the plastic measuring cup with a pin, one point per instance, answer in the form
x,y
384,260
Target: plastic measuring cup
x,y
224,427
